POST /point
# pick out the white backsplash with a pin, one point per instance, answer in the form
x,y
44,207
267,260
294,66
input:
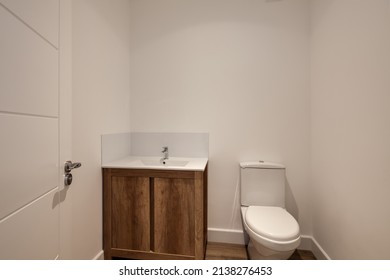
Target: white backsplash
x,y
115,146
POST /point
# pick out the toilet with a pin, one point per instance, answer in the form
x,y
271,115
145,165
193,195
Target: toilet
x,y
273,232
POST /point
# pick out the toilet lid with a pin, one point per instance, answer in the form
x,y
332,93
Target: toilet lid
x,y
274,223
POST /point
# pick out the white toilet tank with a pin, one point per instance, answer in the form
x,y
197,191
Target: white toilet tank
x,y
262,184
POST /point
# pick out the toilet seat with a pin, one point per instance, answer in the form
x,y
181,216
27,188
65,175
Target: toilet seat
x,y
273,223
273,227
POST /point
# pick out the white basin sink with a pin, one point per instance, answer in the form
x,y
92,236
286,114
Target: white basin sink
x,y
167,162
145,162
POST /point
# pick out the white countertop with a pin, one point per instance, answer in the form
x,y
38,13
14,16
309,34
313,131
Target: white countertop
x,y
173,163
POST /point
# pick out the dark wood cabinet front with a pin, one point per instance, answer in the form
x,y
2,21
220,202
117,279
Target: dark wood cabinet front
x,y
174,212
130,213
154,214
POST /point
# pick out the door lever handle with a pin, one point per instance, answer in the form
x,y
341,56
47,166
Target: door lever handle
x,y
69,166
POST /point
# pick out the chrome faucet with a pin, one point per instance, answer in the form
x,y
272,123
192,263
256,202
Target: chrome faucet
x,y
165,153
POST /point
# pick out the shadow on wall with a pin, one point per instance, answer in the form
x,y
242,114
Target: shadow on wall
x,y
59,197
236,209
188,14
291,203
103,10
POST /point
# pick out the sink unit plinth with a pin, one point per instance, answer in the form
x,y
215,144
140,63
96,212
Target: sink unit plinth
x,y
154,214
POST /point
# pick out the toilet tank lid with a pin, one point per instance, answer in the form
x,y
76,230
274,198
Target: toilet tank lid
x,y
261,165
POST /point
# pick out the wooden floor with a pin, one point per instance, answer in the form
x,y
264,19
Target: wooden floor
x,y
219,251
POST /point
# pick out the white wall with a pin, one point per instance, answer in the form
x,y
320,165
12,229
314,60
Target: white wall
x,y
350,127
236,69
100,105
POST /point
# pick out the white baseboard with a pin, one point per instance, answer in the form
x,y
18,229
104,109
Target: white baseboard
x,y
220,235
319,252
99,256
309,243
231,236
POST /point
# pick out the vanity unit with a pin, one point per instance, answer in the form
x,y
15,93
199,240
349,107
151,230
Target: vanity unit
x,y
154,209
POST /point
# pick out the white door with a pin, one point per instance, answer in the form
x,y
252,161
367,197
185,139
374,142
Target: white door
x,y
34,121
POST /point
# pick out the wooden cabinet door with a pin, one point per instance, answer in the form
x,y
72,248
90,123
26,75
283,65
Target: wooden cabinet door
x,y
174,216
130,216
